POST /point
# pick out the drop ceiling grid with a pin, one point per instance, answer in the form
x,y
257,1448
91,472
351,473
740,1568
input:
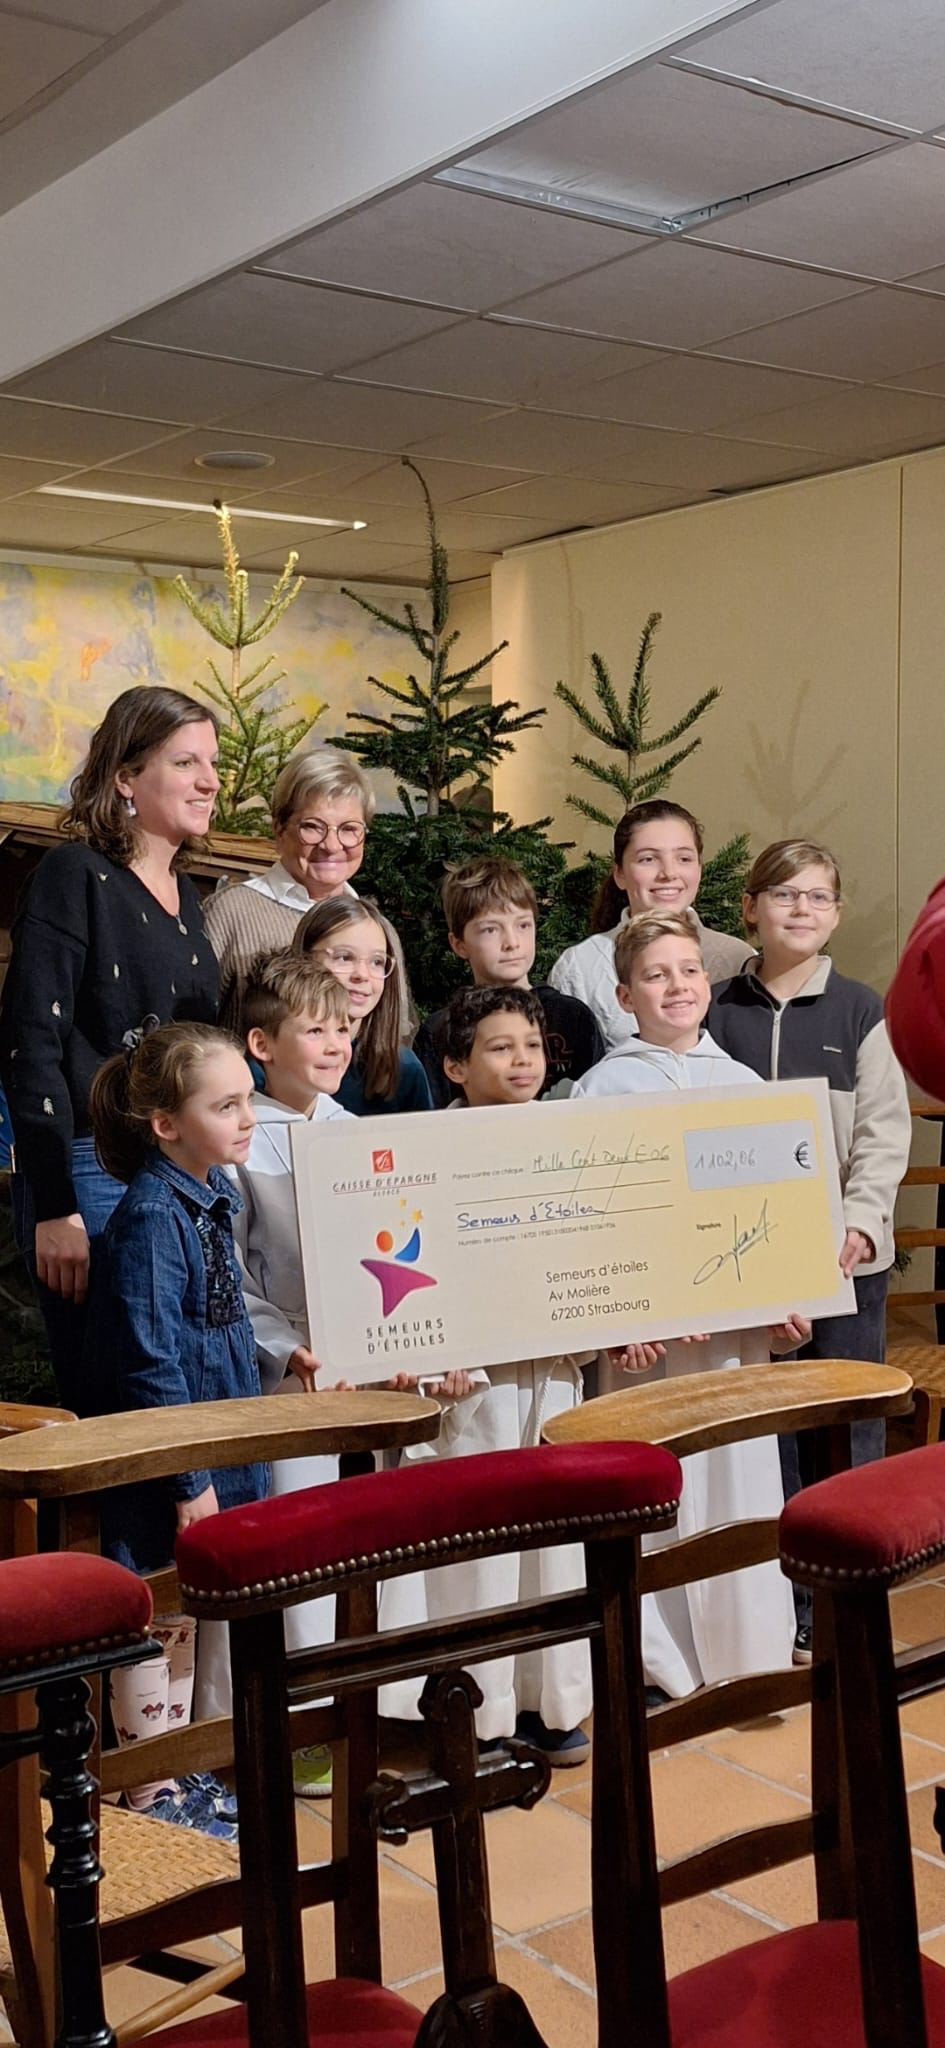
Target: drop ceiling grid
x,y
545,368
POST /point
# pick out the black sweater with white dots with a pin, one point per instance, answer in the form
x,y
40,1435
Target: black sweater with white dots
x,y
95,959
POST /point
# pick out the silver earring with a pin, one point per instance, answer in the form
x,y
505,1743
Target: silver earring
x,y
131,807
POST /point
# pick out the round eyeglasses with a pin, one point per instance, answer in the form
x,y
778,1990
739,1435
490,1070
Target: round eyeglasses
x,y
343,960
314,832
819,899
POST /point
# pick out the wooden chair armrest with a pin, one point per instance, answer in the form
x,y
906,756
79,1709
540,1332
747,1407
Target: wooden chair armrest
x,y
16,1416
155,1443
697,1411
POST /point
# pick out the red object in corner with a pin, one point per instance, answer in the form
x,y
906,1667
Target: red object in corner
x,y
872,1522
915,1005
61,1601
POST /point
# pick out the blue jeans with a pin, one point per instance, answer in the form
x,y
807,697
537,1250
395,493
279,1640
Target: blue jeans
x,y
862,1336
97,1194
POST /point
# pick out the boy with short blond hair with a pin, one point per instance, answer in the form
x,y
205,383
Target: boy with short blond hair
x,y
742,1622
491,916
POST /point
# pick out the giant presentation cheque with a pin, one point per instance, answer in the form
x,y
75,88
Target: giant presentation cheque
x,y
475,1237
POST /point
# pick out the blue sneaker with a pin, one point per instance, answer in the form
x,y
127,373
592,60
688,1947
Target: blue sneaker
x,y
191,1809
563,1747
219,1796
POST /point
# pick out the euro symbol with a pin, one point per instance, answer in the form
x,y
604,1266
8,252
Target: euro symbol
x,y
802,1155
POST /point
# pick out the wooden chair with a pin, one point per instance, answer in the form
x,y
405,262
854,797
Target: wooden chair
x,y
855,1976
163,1886
257,1562
694,1413
923,1358
62,1619
854,1979
266,1558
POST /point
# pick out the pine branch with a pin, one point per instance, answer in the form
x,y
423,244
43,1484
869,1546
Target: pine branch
x,y
607,695
580,803
672,761
383,618
675,732
605,772
592,725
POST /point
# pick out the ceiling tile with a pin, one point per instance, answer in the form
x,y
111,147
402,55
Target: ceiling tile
x,y
693,394
931,378
52,433
613,453
927,280
179,48
287,326
486,533
511,364
456,248
33,54
183,540
367,416
887,62
562,501
680,294
447,482
152,383
97,17
880,218
880,334
174,460
344,554
667,142
863,421
17,477
55,523
465,567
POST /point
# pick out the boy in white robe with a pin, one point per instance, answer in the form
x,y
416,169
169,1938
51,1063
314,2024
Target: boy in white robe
x,y
742,1622
494,1052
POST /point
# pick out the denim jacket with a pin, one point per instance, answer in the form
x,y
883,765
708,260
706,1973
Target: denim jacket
x,y
168,1325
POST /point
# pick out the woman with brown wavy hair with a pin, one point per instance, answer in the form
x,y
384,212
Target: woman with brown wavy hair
x,y
108,940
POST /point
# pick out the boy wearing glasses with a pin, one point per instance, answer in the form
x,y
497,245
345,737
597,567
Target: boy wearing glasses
x,y
791,1016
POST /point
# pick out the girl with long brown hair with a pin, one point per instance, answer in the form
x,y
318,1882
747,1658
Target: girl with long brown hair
x,y
108,939
355,942
657,866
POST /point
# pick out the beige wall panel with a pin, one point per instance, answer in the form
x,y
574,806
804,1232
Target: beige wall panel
x,y
788,599
922,684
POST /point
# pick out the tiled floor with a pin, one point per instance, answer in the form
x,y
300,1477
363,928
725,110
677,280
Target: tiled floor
x,y
540,1863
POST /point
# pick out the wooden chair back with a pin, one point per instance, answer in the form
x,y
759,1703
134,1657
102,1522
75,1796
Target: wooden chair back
x,y
177,1885
261,1561
923,1357
695,1413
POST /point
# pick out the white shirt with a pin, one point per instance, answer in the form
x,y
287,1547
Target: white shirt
x,y
283,888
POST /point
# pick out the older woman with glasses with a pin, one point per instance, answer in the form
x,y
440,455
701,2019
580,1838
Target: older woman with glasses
x,y
322,806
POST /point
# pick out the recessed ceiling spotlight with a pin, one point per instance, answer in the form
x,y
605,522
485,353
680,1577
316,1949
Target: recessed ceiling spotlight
x,y
234,458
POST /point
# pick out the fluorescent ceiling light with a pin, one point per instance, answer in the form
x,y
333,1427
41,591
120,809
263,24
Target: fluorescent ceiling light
x,y
187,505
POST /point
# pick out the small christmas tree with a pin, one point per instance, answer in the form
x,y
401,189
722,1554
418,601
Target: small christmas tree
x,y
254,743
634,777
441,751
432,743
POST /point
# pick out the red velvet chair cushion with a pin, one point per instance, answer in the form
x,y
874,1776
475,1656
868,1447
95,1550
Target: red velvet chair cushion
x,y
796,1990
879,1521
426,1511
341,2014
61,1603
